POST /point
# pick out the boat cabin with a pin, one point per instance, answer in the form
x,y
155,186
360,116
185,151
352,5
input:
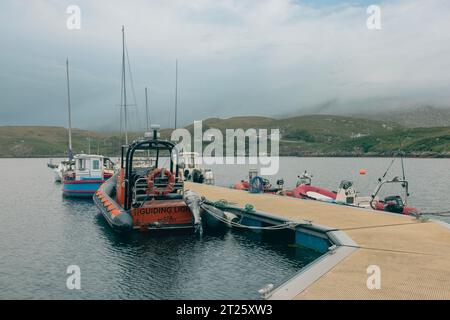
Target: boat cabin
x,y
87,167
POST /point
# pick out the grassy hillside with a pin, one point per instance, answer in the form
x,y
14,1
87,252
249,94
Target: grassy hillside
x,y
42,141
323,135
24,141
318,135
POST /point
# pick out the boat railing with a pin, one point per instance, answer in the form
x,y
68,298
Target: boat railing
x,y
141,190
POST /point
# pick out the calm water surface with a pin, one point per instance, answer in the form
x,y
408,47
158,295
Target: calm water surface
x,y
429,179
41,234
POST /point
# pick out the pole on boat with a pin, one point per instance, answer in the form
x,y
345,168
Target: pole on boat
x,y
176,91
146,109
89,145
124,88
70,115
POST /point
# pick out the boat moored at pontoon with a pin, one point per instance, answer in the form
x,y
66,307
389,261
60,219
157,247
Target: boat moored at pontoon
x,y
150,197
85,175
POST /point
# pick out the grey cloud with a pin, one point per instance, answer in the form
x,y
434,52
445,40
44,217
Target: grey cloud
x,y
267,57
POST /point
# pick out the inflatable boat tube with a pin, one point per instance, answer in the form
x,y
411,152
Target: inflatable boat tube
x,y
119,219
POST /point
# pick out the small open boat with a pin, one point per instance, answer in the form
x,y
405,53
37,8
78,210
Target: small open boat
x,y
150,197
347,195
305,190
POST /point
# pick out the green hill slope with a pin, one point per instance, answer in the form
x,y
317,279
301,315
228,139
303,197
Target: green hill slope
x,y
326,135
317,135
38,141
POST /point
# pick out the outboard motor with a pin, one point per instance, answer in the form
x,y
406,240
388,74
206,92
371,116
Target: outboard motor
x,y
257,185
193,202
305,179
280,184
346,192
197,176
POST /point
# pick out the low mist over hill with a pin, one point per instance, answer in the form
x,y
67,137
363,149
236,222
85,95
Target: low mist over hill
x,y
407,116
419,117
315,135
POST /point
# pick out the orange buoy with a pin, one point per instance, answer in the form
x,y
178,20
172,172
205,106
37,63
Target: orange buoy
x,y
362,172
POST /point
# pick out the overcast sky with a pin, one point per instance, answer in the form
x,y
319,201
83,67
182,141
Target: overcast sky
x,y
242,57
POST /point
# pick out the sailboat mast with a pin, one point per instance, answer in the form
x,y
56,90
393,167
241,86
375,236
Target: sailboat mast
x,y
176,91
124,87
146,109
70,114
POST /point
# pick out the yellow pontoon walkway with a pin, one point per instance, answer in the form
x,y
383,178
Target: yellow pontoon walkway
x,y
413,256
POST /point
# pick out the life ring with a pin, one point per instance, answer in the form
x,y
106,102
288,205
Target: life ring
x,y
151,182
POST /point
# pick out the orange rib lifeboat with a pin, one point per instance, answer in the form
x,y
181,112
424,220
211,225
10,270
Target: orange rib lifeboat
x,y
145,196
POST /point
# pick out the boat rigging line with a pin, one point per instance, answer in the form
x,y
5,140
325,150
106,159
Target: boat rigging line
x,y
387,170
70,114
123,94
438,214
133,91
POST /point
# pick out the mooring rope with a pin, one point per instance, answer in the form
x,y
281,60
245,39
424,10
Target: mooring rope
x,y
285,225
224,204
439,214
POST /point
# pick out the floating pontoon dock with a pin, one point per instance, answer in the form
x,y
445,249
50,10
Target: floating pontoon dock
x,y
413,256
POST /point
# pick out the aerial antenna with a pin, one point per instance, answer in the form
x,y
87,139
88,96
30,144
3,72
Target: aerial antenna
x,y
176,91
89,144
146,109
403,167
401,159
70,115
405,183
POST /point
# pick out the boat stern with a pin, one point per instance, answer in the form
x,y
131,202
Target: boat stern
x,y
167,214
